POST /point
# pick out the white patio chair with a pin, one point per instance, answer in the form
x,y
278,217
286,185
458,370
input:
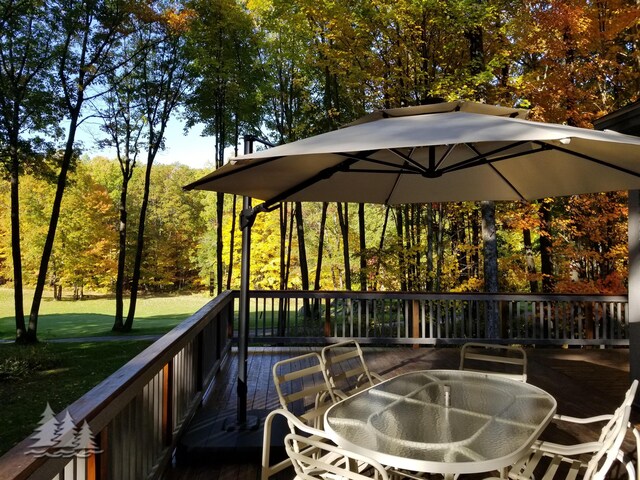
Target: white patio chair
x,y
309,458
628,401
506,360
546,461
346,368
303,387
295,426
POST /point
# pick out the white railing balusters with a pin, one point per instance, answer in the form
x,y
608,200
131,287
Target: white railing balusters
x,y
387,317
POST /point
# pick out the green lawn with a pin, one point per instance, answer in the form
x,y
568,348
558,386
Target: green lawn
x,y
94,315
57,373
60,373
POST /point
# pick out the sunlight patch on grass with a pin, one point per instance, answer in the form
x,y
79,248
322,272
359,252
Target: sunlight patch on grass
x,y
94,316
54,371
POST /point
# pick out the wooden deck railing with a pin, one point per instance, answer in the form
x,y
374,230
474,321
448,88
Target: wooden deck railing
x,y
136,415
430,318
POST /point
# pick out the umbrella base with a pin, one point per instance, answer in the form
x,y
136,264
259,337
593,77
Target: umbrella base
x,y
213,438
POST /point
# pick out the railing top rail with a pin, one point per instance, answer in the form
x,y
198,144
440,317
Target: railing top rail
x,y
102,402
354,294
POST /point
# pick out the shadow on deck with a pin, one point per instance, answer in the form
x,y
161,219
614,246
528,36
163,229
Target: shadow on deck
x,y
585,382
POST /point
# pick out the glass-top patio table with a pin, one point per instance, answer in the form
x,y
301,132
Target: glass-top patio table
x,y
442,421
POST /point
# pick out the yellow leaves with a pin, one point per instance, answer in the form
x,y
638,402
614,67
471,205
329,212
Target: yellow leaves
x,y
178,21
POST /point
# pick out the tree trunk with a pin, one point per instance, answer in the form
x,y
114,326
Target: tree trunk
x,y
316,283
460,241
302,253
135,280
283,267
363,248
68,155
302,248
429,283
546,247
402,262
16,255
118,324
284,218
381,245
323,222
409,264
490,249
439,247
343,219
531,264
219,241
231,241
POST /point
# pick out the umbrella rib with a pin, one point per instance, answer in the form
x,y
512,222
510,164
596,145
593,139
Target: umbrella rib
x,y
481,158
445,155
321,175
584,156
365,158
504,179
409,160
213,176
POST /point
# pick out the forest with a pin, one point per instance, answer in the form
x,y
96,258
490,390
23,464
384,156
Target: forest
x,y
280,71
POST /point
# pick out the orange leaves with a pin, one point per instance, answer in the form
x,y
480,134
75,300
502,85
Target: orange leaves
x,y
578,58
178,21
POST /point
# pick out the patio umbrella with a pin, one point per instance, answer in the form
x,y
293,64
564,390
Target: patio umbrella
x,y
456,151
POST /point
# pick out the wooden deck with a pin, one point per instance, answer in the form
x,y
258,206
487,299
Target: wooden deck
x,y
585,382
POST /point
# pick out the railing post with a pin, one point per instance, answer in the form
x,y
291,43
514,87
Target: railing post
x,y
200,367
167,403
97,465
327,318
590,323
503,310
415,321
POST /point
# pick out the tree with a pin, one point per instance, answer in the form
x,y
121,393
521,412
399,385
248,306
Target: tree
x,y
88,33
123,122
579,58
28,109
225,97
161,82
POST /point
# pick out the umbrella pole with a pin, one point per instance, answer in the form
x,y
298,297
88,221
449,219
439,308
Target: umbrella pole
x,y
246,221
243,327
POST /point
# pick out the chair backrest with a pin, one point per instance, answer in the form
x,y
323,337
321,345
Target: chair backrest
x,y
314,460
506,360
295,425
346,368
303,387
612,436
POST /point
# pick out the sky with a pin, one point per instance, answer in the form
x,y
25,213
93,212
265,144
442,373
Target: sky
x,y
191,149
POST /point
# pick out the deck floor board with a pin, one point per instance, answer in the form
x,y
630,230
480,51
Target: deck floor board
x,y
585,382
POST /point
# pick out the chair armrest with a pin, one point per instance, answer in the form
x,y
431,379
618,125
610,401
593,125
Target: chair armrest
x,y
340,394
567,450
570,419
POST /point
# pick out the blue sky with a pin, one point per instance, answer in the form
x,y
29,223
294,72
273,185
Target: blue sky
x,y
192,149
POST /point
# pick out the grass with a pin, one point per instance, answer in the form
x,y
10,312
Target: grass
x,y
60,373
57,373
94,316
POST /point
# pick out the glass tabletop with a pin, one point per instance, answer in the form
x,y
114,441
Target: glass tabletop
x,y
442,421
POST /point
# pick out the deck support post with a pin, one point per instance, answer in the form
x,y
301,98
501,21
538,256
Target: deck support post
x,y
633,315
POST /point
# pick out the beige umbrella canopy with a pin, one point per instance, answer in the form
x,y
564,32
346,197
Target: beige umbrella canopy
x,y
453,151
